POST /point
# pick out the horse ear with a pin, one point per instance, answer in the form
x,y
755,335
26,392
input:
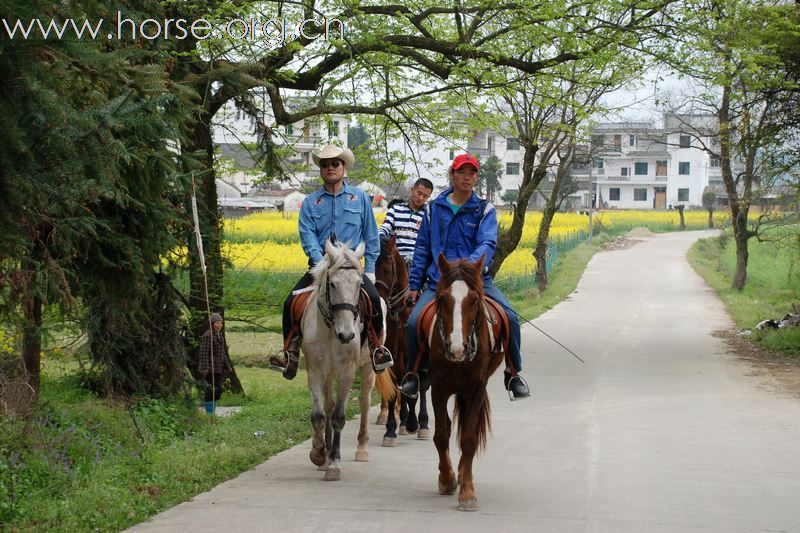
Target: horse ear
x,y
359,251
329,249
480,263
444,266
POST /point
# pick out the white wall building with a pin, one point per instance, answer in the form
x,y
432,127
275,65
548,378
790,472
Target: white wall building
x,y
639,166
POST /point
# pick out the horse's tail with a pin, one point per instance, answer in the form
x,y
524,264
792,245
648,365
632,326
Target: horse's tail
x,y
484,422
386,385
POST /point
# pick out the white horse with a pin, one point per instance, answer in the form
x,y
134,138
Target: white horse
x,y
332,325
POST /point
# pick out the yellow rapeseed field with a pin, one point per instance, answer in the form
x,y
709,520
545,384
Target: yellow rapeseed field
x,y
270,242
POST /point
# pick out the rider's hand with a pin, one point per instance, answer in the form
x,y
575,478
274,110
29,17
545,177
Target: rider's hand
x,y
370,277
412,296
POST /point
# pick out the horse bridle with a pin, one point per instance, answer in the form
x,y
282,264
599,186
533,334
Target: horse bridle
x,y
327,315
394,298
472,338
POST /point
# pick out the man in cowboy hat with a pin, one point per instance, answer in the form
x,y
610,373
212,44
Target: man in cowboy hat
x,y
343,213
459,225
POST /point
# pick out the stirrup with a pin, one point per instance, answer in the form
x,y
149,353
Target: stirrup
x,y
382,353
511,393
408,378
281,366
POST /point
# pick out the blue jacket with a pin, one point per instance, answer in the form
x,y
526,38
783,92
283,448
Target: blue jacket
x,y
355,223
468,234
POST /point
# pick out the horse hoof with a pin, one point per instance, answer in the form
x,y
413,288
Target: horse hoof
x,y
402,430
362,456
445,490
333,473
424,433
322,468
468,505
382,419
389,442
317,458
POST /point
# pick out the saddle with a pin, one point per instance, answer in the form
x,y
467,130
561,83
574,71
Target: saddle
x,y
496,317
300,304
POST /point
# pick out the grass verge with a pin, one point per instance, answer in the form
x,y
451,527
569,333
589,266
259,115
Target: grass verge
x,y
772,288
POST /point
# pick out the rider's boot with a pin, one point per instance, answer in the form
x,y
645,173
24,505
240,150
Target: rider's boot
x,y
291,357
410,385
381,359
516,386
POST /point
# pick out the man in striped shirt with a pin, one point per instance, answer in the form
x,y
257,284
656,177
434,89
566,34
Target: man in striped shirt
x,y
405,218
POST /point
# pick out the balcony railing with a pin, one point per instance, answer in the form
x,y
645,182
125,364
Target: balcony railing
x,y
634,179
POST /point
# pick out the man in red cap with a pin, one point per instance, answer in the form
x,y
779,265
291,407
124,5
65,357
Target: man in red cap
x,y
459,225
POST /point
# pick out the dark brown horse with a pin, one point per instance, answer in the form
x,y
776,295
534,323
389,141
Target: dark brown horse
x,y
391,281
458,340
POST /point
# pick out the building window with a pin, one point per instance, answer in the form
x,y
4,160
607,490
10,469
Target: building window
x,y
684,168
715,162
613,194
289,129
640,195
683,195
617,142
452,154
623,171
333,129
597,163
640,168
661,168
686,141
512,144
512,169
598,140
632,140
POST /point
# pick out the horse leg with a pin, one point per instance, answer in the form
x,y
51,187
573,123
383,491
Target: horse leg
x,y
423,432
329,407
405,402
318,450
412,425
367,383
469,421
441,438
390,437
383,416
334,470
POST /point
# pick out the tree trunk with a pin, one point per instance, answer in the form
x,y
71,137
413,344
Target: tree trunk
x,y
32,343
710,219
680,212
540,253
740,276
210,217
211,230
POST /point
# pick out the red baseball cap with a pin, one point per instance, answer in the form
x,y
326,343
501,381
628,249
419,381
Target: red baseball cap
x,y
465,159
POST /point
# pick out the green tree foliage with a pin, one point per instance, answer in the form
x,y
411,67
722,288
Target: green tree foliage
x,y
87,189
730,49
489,177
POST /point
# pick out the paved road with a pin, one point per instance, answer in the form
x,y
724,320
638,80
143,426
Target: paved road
x,y
662,430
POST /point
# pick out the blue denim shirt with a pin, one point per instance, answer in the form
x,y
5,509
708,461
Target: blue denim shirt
x,y
354,222
467,234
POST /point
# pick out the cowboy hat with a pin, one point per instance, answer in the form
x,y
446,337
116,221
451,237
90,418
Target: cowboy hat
x,y
335,152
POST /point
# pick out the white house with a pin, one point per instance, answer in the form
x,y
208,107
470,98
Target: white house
x,y
637,165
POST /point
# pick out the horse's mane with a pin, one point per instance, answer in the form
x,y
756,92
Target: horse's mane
x,y
342,256
466,271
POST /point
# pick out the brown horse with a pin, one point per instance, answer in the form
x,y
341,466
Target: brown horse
x,y
458,340
391,282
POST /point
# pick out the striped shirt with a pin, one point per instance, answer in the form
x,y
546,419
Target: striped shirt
x,y
403,222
